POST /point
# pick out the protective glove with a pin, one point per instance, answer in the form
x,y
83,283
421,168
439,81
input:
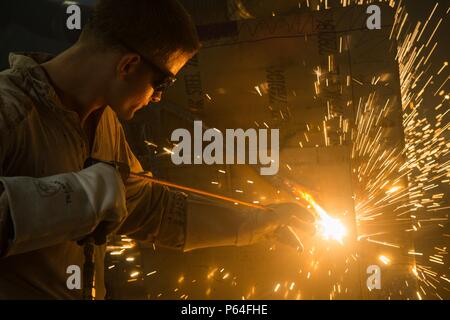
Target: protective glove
x,y
110,204
283,222
51,210
210,224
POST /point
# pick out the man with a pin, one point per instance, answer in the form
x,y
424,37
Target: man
x,y
56,112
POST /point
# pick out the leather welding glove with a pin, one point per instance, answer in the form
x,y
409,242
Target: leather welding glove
x,y
211,225
51,210
292,222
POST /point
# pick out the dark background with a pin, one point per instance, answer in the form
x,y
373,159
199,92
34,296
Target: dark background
x,y
39,25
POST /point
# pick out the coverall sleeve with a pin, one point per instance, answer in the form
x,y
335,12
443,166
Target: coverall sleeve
x,y
9,116
172,219
175,220
5,221
156,214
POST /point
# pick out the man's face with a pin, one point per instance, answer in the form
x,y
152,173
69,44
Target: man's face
x,y
132,88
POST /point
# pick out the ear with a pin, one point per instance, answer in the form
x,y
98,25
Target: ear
x,y
127,65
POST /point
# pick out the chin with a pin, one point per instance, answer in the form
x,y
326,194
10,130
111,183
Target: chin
x,y
128,116
128,113
125,115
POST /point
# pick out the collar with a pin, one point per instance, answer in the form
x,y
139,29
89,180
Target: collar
x,y
29,64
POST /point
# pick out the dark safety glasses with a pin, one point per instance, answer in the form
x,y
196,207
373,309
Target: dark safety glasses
x,y
165,78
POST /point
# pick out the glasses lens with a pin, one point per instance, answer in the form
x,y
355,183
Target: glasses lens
x,y
165,83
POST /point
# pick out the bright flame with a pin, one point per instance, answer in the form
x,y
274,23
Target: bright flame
x,y
327,226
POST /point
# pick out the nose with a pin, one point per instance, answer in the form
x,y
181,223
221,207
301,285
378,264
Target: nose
x,y
156,97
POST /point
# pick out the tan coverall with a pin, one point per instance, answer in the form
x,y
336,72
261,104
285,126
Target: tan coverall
x,y
39,137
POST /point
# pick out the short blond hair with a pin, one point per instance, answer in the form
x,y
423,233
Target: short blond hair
x,y
156,28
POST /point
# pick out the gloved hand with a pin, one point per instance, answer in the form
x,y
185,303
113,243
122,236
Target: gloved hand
x,y
65,207
213,224
106,194
284,222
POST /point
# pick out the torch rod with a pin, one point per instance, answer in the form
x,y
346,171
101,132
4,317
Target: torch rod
x,y
196,191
